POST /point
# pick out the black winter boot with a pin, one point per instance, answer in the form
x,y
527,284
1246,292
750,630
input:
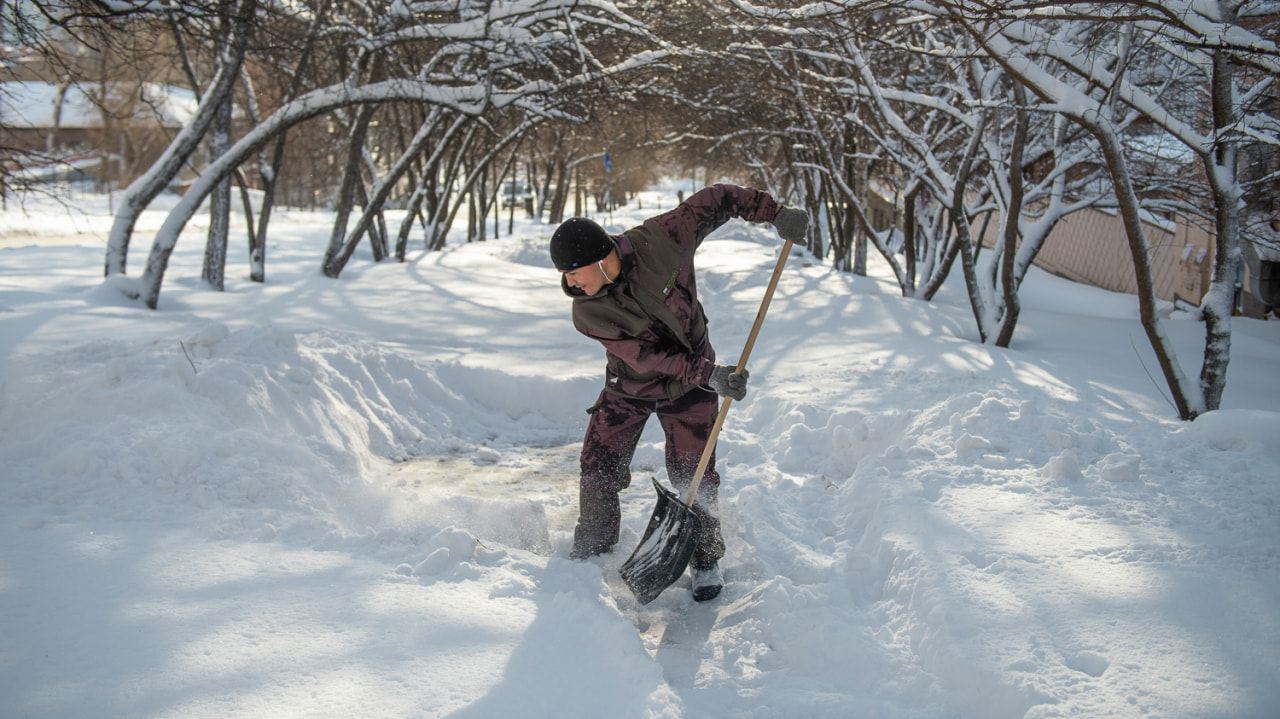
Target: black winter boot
x,y
710,547
707,581
599,521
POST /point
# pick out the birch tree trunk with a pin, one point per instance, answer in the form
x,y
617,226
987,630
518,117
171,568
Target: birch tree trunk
x,y
1009,281
1223,170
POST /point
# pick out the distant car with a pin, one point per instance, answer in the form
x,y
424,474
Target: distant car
x,y
514,196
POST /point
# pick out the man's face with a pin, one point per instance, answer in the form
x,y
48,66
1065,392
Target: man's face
x,y
590,279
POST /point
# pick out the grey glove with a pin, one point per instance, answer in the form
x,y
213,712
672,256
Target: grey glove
x,y
791,224
727,383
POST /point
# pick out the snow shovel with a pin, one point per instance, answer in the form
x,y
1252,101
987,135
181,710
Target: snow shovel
x,y
673,530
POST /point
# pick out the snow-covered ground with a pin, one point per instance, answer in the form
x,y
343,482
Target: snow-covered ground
x,y
355,497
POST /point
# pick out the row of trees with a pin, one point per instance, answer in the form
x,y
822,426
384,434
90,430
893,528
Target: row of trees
x,y
425,105
987,122
1012,115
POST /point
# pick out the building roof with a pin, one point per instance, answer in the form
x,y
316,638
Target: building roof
x,y
31,105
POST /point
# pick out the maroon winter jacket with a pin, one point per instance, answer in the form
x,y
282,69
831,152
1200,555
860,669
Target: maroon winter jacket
x,y
649,320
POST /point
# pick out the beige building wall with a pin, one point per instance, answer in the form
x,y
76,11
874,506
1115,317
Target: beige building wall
x,y
1091,247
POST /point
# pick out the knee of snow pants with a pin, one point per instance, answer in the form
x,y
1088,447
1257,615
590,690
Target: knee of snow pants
x,y
612,434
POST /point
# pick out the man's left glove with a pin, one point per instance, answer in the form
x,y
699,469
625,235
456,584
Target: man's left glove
x,y
791,224
727,383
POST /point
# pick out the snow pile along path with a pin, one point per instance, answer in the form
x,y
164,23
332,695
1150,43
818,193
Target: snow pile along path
x,y
1030,562
260,459
245,432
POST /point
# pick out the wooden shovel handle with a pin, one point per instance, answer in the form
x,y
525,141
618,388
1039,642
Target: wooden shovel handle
x,y
742,365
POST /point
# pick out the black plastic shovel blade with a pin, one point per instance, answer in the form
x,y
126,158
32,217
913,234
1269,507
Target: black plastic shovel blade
x,y
665,548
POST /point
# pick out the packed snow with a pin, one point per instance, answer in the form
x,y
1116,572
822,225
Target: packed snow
x,y
355,497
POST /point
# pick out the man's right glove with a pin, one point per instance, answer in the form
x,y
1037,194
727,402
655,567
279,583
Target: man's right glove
x,y
727,383
791,224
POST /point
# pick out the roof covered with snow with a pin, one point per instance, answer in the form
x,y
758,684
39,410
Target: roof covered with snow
x,y
33,105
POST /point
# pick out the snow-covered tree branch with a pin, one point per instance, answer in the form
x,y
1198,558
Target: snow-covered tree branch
x,y
1195,73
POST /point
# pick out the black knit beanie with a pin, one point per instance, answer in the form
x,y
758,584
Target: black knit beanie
x,y
579,242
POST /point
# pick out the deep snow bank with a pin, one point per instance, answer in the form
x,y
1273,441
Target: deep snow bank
x,y
247,432
998,552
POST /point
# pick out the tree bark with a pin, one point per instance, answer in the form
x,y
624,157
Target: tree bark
x,y
1188,404
215,251
1013,217
336,256
1219,304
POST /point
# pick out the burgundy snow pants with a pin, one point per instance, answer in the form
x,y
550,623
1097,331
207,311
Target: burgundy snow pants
x,y
612,435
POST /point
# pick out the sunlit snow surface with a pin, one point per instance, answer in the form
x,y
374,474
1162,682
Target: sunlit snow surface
x,y
355,497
